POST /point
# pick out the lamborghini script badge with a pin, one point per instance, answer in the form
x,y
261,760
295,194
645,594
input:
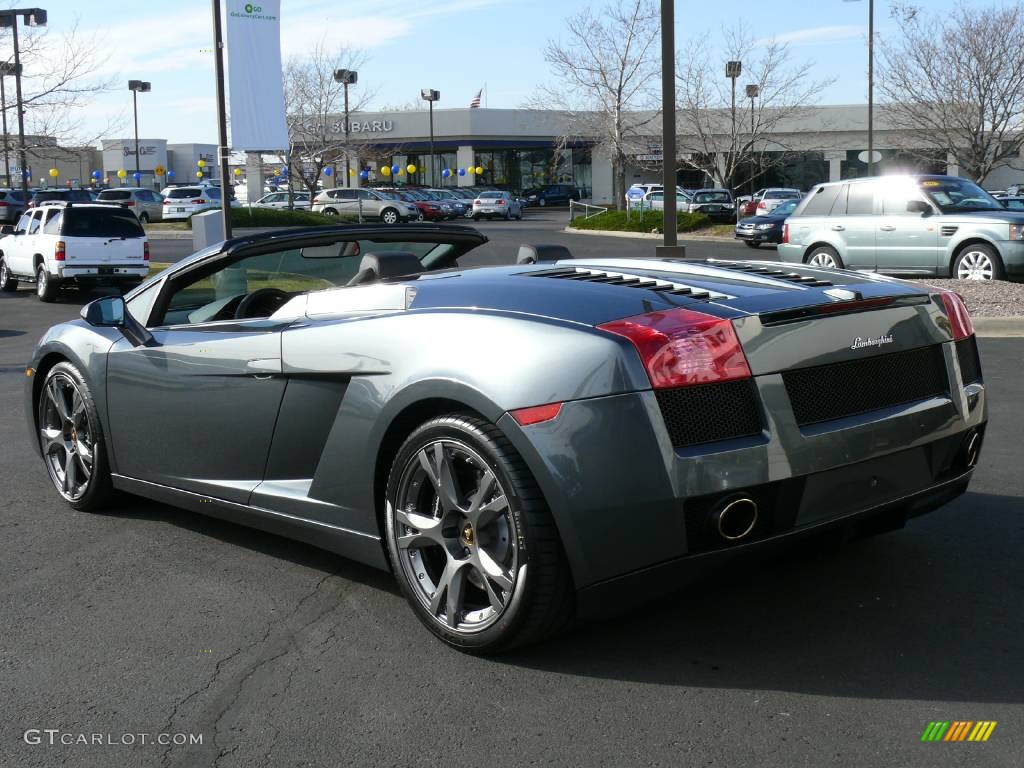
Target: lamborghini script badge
x,y
871,341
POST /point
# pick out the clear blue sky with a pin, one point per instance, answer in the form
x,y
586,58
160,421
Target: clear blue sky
x,y
454,46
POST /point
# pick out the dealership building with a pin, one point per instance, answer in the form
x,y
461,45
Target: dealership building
x,y
519,148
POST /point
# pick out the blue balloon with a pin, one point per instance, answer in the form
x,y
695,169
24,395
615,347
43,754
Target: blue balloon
x,y
364,174
462,171
284,171
170,174
395,169
328,171
97,175
136,175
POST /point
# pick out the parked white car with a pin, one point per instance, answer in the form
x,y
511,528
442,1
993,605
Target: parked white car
x,y
182,202
497,204
82,244
300,200
769,199
655,200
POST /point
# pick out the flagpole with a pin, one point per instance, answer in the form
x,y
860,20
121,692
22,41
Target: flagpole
x,y
485,94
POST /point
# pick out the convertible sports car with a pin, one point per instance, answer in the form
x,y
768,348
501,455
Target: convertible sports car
x,y
518,443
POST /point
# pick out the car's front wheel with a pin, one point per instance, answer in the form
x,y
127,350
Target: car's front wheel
x,y
8,282
46,286
825,256
471,540
143,218
978,262
71,439
389,216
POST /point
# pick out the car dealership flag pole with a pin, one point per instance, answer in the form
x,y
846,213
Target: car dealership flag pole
x,y
222,121
668,130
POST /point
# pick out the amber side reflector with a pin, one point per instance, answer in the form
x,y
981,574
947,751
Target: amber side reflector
x,y
536,414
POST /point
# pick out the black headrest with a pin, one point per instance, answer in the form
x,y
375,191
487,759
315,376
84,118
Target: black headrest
x,y
531,254
386,264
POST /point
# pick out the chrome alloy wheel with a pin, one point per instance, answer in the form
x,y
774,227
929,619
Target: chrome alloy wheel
x,y
975,265
66,437
456,536
823,259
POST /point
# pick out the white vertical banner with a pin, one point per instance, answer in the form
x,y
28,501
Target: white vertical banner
x,y
255,78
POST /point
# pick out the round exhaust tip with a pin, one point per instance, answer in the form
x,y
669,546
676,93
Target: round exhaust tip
x,y
736,519
972,449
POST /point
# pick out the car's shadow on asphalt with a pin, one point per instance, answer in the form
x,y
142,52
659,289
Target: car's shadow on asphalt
x,y
880,618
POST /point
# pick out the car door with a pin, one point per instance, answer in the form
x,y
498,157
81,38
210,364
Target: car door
x,y
906,241
853,224
196,408
17,250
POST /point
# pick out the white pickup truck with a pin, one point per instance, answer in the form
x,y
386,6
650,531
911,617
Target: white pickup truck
x,y
58,244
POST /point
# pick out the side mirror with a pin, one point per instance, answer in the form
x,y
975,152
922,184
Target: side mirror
x,y
7,229
110,312
919,206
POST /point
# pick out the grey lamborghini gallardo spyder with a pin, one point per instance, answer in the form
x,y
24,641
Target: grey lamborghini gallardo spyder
x,y
518,444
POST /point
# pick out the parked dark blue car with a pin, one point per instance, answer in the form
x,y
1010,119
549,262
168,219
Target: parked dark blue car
x,y
755,230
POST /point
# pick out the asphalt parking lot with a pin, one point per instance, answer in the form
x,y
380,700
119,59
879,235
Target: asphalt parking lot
x,y
150,619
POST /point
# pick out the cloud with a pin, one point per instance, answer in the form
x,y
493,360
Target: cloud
x,y
817,35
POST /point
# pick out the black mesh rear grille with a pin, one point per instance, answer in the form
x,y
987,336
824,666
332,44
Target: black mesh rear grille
x,y
967,354
709,412
828,392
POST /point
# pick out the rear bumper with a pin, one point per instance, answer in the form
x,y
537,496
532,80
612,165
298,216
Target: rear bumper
x,y
625,499
490,210
93,272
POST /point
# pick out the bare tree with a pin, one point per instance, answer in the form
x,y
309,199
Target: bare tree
x,y
737,147
603,77
314,101
956,82
61,78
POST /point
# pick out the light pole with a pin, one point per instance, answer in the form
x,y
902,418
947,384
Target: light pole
x,y
33,17
346,77
871,84
6,70
137,87
669,221
732,71
753,91
430,96
222,120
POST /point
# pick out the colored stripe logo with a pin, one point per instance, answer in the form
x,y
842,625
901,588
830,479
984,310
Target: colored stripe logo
x,y
958,730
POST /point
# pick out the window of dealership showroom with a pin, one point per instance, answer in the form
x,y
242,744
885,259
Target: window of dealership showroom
x,y
514,169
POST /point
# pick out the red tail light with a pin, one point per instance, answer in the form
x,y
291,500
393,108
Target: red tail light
x,y
536,414
959,318
145,250
58,251
129,204
785,233
500,201
198,201
761,206
680,347
167,202
3,204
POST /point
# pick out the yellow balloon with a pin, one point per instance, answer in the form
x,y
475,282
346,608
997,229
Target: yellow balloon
x,y
238,171
410,168
479,170
159,170
122,173
385,171
277,171
351,171
53,172
199,174
201,163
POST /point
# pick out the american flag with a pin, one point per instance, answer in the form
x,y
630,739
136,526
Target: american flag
x,y
475,103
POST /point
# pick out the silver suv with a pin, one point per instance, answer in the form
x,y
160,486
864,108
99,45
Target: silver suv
x,y
907,225
368,203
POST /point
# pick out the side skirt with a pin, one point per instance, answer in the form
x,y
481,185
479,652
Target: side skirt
x,y
362,547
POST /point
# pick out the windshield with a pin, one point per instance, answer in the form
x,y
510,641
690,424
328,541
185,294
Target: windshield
x,y
959,196
784,209
183,192
712,197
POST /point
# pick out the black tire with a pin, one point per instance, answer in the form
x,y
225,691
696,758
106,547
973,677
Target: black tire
x,y
541,202
389,216
541,600
46,286
143,218
973,252
824,252
330,212
8,282
751,244
476,217
99,491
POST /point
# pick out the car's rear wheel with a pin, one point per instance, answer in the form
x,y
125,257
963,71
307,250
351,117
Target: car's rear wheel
x,y
824,256
71,439
46,286
471,540
330,212
144,218
8,282
751,244
389,216
978,262
541,202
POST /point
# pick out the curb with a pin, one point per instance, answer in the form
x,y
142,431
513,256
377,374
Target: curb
x,y
647,235
998,327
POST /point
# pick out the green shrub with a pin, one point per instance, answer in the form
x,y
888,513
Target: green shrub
x,y
617,221
276,217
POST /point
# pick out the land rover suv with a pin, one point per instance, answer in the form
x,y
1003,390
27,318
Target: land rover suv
x,y
907,225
